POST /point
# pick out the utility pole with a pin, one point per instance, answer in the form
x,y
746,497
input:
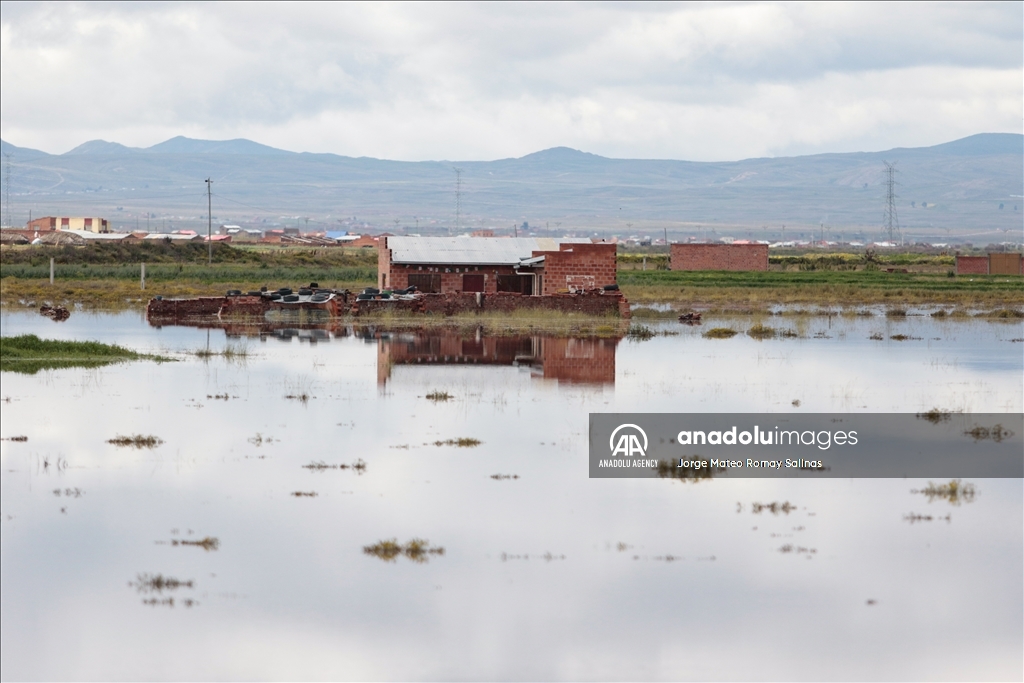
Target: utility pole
x,y
209,218
458,198
7,190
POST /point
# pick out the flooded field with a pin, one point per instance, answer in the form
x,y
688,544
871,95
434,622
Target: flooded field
x,y
366,503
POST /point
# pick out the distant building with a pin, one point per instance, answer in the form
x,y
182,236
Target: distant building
x,y
696,256
239,234
526,265
81,237
51,223
175,237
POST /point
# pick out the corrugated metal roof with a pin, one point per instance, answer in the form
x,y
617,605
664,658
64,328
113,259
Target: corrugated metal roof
x,y
491,251
90,235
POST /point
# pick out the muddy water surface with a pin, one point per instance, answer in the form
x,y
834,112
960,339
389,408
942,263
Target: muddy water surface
x,y
310,513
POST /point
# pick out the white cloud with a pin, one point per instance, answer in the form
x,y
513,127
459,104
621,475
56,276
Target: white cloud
x,y
487,81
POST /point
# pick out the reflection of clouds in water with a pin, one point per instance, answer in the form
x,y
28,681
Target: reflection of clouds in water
x,y
978,372
315,604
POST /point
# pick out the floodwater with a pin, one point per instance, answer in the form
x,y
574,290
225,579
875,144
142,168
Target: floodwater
x,y
195,558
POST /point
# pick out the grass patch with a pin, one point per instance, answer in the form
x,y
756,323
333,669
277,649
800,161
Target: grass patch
x,y
438,396
418,550
646,313
760,331
935,416
462,442
764,289
720,333
996,433
136,441
209,543
953,492
28,354
158,583
1003,314
229,352
321,466
774,508
669,469
638,332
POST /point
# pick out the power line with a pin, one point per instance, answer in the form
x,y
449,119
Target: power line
x,y
890,221
266,210
209,217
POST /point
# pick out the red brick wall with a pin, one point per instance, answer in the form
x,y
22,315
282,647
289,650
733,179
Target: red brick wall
x,y
972,265
578,265
451,281
384,264
1005,264
719,257
42,224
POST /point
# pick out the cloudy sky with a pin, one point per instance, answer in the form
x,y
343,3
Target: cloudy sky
x,y
486,81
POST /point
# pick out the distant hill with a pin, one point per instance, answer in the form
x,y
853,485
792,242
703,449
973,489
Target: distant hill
x,y
183,145
969,188
96,147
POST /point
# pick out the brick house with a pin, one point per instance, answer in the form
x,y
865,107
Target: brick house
x,y
719,257
527,265
50,223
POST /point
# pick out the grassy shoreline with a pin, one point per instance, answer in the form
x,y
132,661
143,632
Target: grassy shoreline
x,y
761,290
699,291
28,354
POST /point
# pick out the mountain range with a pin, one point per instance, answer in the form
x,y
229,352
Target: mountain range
x,y
968,189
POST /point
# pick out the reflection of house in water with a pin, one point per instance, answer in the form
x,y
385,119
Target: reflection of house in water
x,y
587,360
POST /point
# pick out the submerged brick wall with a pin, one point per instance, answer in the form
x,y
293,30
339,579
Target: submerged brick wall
x,y
719,257
972,265
452,303
185,308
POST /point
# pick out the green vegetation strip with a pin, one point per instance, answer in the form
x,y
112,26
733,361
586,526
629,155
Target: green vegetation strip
x,y
820,287
863,278
28,354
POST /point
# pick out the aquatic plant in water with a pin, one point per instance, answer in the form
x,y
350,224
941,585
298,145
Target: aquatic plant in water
x,y
418,550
